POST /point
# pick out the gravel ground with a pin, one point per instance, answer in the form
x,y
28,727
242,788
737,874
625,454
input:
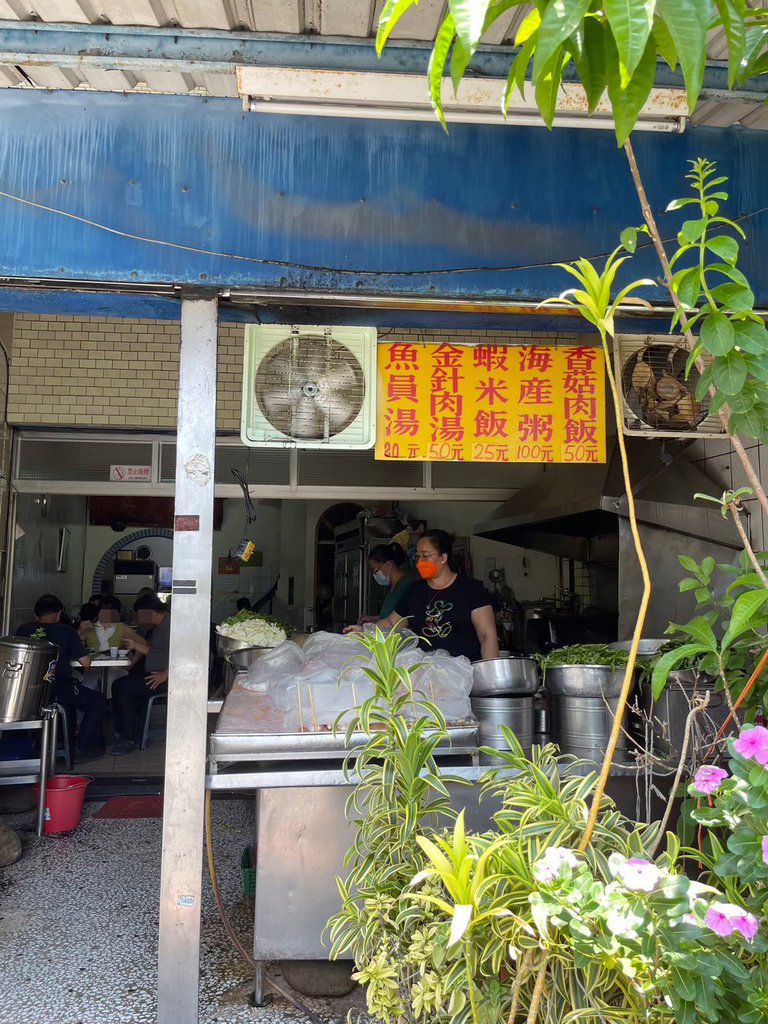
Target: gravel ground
x,y
78,927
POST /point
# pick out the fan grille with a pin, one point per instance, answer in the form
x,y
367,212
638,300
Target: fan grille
x,y
657,395
310,387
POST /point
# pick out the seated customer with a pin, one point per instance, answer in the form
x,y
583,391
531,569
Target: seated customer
x,y
72,695
106,630
148,674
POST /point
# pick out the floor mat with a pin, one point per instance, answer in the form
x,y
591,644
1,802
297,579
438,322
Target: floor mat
x,y
131,807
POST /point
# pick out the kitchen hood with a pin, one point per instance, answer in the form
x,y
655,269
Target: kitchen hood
x,y
575,511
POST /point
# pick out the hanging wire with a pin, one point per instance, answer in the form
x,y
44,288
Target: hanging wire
x,y
249,505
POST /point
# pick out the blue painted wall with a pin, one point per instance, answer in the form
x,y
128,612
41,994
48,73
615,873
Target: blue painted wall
x,y
352,198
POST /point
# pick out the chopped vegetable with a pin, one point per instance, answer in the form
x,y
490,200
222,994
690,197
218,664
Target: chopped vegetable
x,y
254,629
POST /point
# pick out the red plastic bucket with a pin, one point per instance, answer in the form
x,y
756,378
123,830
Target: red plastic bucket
x,y
64,798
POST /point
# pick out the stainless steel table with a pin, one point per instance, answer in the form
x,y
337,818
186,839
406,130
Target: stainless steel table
x,y
302,832
18,773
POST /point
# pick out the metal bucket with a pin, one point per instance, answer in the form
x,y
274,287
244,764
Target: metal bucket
x,y
23,666
584,680
493,712
669,713
582,725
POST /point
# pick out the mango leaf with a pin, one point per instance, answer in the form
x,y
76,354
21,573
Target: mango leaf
x,y
469,19
687,21
558,22
732,17
630,21
547,86
460,58
669,661
744,614
518,72
627,103
717,334
392,12
590,62
701,631
725,247
665,44
436,67
751,337
729,372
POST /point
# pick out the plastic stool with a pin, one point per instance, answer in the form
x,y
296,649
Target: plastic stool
x,y
159,699
64,724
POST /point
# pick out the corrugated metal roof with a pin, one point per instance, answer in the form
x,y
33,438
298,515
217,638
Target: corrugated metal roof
x,y
339,18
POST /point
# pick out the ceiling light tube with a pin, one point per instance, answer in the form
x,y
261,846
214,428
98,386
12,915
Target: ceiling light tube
x,y
386,96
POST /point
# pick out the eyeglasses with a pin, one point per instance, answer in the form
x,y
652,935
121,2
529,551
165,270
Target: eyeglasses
x,y
426,556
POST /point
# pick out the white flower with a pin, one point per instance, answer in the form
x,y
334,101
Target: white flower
x,y
638,875
550,865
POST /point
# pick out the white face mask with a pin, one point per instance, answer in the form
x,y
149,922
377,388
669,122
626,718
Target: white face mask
x,y
381,578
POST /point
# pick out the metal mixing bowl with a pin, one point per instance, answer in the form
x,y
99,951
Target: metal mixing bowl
x,y
646,648
504,677
226,645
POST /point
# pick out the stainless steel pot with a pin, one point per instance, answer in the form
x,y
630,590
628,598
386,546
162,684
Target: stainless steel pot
x,y
243,658
669,713
498,676
584,681
581,725
493,712
23,667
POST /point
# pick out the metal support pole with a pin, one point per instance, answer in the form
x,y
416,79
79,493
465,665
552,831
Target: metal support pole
x,y
182,864
45,737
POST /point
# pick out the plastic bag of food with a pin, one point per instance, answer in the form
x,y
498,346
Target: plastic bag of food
x,y
315,702
275,667
446,682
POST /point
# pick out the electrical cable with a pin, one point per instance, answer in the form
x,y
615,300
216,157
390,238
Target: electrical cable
x,y
276,988
248,503
432,272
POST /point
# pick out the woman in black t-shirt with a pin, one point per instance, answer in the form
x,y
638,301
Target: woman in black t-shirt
x,y
449,611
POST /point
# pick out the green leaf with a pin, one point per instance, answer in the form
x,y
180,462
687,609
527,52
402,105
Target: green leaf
x,y
751,423
725,247
717,334
547,87
436,67
732,16
460,58
703,383
630,21
743,401
729,373
688,563
687,21
736,298
688,286
627,103
758,367
392,12
518,71
665,45
469,19
559,20
701,631
590,62
692,230
728,270
743,615
751,337
628,239
668,661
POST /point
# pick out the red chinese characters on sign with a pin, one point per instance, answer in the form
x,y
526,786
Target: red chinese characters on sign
x,y
490,402
580,403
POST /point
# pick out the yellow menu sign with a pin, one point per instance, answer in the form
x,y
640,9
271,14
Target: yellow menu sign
x,y
490,403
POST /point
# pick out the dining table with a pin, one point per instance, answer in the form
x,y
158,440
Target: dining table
x,y
104,662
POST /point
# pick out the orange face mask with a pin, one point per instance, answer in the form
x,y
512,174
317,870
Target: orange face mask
x,y
426,569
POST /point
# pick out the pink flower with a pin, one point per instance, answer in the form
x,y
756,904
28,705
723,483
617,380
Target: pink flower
x,y
708,779
752,744
638,875
725,918
765,849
